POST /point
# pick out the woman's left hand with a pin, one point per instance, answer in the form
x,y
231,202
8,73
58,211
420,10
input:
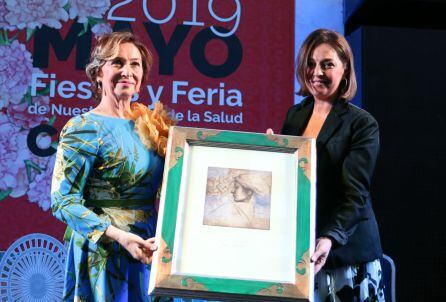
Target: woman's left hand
x,y
323,246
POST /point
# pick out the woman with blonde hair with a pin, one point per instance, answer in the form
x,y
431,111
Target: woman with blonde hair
x,y
108,169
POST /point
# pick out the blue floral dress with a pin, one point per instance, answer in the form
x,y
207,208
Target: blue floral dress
x,y
104,175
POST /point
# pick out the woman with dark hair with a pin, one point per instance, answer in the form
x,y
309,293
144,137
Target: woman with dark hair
x,y
108,169
347,140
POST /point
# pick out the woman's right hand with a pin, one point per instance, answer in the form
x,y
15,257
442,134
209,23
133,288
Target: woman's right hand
x,y
139,248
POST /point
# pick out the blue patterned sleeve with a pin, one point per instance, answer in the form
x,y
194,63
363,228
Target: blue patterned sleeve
x,y
76,153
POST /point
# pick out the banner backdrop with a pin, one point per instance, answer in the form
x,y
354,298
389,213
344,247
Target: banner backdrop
x,y
217,64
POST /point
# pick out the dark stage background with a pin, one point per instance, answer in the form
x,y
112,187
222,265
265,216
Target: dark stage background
x,y
400,49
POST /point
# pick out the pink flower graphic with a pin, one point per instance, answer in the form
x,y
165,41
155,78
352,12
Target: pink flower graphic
x,y
84,9
20,113
101,29
13,154
16,68
35,13
3,11
21,116
40,188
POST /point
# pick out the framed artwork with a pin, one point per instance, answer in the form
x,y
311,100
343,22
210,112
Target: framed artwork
x,y
236,218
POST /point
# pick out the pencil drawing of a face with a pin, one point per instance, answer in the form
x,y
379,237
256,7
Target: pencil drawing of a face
x,y
238,198
241,193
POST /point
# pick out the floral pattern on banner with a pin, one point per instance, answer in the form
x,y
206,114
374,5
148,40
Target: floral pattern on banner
x,y
31,14
84,9
19,113
13,158
3,11
40,188
22,172
16,69
101,29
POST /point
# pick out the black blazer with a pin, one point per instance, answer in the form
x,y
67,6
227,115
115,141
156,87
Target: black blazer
x,y
347,147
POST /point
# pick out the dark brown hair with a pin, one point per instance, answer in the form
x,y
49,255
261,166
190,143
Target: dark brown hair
x,y
344,52
107,48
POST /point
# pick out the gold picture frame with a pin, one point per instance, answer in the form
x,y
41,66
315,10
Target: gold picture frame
x,y
236,218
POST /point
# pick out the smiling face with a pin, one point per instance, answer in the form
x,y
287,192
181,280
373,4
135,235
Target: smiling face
x,y
121,76
324,73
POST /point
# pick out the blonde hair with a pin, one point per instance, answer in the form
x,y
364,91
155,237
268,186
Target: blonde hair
x,y
344,52
152,126
107,48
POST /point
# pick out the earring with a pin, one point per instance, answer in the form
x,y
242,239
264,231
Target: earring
x,y
135,97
